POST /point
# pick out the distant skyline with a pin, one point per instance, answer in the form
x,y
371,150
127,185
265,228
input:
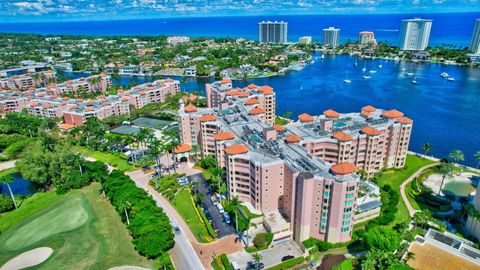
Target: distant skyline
x,y
12,11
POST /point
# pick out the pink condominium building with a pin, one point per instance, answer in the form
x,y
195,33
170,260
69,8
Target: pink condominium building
x,y
47,101
301,176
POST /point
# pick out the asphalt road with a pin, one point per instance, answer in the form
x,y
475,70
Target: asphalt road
x,y
182,254
217,218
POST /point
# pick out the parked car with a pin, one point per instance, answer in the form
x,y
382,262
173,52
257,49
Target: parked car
x,y
255,265
286,258
226,217
176,230
220,208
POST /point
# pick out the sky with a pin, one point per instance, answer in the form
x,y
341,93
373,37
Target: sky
x,y
12,11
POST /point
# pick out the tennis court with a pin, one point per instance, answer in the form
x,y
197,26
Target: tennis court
x,y
125,130
148,122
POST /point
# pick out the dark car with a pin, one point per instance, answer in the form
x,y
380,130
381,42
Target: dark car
x,y
286,258
176,230
255,265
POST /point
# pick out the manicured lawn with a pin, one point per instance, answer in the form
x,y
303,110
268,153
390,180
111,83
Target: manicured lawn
x,y
247,212
107,158
184,205
82,228
280,121
395,178
345,265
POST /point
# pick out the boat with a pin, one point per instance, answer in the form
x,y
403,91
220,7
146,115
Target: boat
x,y
410,73
403,69
356,63
347,81
380,66
323,56
366,77
450,79
373,71
364,67
444,75
414,81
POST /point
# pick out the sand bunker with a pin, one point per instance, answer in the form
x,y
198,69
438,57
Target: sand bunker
x,y
126,267
28,259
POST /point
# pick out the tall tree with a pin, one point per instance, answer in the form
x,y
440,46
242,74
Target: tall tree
x,y
477,158
456,156
6,180
445,169
427,148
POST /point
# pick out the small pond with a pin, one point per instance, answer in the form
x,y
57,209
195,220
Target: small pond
x,y
458,188
19,186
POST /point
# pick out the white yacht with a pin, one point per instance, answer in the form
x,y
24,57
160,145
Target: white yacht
x,y
373,71
366,77
414,81
444,75
450,79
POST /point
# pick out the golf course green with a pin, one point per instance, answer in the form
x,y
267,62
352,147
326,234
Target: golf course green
x,y
82,228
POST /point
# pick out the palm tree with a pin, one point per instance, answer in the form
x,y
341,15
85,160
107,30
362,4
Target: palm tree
x,y
477,158
427,148
7,179
235,203
217,176
456,156
446,170
125,206
155,151
195,150
257,257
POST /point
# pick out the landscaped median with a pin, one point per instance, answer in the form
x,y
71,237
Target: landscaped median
x,y
183,203
221,262
288,264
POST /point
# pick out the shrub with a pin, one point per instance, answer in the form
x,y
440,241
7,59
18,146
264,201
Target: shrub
x,y
226,263
383,238
16,148
6,203
288,264
263,240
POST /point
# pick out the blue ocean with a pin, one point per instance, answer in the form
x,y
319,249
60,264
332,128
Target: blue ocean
x,y
448,28
446,114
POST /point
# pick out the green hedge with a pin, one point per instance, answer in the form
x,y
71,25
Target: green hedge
x,y
288,264
226,263
149,226
210,229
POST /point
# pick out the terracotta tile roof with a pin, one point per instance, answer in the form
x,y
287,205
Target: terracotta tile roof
x,y
190,108
74,107
232,92
208,117
243,94
89,109
66,126
106,103
292,138
103,74
305,118
226,81
65,98
101,96
267,90
366,114
256,111
124,98
90,101
342,136
343,168
120,91
370,131
142,93
405,120
169,80
79,100
236,149
251,86
278,127
251,101
182,148
33,104
369,108
331,113
222,136
392,114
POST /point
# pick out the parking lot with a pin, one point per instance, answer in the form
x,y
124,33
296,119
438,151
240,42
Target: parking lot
x,y
218,223
270,257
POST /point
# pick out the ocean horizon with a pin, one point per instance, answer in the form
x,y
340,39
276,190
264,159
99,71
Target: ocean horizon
x,y
448,28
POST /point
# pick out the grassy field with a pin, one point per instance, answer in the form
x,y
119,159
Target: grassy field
x,y
82,228
395,178
107,158
345,265
185,207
